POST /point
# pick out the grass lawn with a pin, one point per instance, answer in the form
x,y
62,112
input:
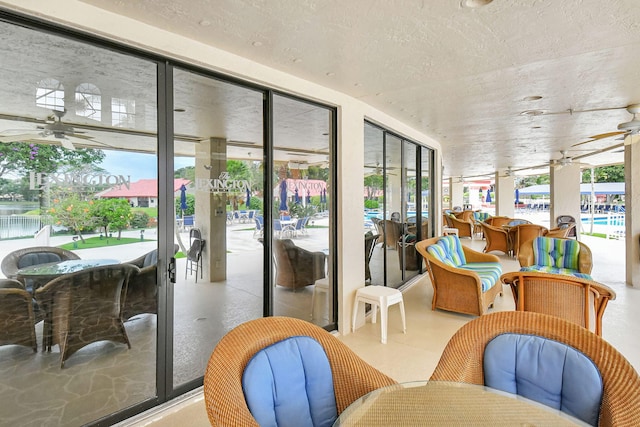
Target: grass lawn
x,y
96,242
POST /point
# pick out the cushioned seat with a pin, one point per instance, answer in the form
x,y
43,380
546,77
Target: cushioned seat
x,y
464,280
557,256
35,255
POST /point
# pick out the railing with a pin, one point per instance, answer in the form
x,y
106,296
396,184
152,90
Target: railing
x,y
14,226
615,226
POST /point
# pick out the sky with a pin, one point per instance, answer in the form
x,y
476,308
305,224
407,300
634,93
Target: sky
x,y
137,165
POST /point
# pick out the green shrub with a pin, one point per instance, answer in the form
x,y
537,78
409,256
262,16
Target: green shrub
x,y
140,219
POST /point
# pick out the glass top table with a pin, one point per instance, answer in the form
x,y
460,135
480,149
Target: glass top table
x,y
54,269
440,403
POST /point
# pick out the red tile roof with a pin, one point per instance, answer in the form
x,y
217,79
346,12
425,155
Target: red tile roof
x,y
141,188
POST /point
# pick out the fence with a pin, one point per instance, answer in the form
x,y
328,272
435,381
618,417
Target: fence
x,y
615,226
14,226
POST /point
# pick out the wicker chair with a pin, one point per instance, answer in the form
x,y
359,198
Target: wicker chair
x,y
223,391
458,289
392,232
563,231
498,221
462,359
296,267
370,240
142,291
578,300
17,321
464,227
84,307
35,255
522,233
497,238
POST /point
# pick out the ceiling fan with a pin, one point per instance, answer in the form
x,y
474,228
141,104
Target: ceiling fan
x,y
625,128
54,130
565,160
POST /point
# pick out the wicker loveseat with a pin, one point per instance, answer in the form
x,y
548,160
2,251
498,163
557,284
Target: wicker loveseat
x,y
464,280
555,255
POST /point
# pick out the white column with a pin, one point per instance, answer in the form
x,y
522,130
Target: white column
x,y
632,208
505,194
565,193
456,192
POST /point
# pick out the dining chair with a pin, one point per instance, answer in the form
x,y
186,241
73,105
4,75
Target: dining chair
x,y
297,267
497,239
281,371
84,307
547,359
34,255
17,318
522,233
580,301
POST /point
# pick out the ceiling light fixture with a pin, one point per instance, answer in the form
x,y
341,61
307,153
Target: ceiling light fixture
x,y
532,113
471,4
532,98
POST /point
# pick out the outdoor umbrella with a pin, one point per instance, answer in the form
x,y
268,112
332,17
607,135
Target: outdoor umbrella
x,y
183,198
283,196
488,199
248,198
323,197
308,197
517,196
296,197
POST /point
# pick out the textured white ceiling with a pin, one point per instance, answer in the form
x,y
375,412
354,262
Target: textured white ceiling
x,y
457,74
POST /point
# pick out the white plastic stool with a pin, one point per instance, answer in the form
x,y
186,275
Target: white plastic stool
x,y
382,297
447,231
321,285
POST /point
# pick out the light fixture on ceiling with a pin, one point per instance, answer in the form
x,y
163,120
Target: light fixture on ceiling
x,y
532,113
471,4
532,98
298,165
633,124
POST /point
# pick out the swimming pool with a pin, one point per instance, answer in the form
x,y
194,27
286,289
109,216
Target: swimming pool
x,y
603,220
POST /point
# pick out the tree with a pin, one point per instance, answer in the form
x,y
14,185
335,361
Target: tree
x,y
373,184
613,173
112,214
238,170
187,172
73,213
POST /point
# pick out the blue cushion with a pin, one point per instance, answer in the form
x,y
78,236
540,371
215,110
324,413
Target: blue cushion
x,y
546,371
290,384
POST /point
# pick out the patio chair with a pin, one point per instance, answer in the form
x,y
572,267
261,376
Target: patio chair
x,y
580,301
563,231
316,375
392,232
568,219
194,258
297,267
17,318
464,227
84,307
498,221
522,233
497,239
559,256
141,294
259,230
370,240
34,255
578,372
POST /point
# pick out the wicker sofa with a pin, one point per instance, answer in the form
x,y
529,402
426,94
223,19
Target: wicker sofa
x,y
464,280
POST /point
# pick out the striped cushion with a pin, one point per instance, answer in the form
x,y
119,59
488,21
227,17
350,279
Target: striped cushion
x,y
560,253
489,273
448,250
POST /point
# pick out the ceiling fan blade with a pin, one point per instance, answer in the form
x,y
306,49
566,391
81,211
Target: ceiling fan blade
x,y
599,136
19,137
66,143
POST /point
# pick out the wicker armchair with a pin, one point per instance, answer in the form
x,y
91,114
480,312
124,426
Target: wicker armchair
x,y
35,255
464,226
497,238
84,307
522,233
17,321
578,300
223,392
392,232
498,221
458,289
563,231
296,267
141,294
462,359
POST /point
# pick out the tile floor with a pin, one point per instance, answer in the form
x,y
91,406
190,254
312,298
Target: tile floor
x,y
414,355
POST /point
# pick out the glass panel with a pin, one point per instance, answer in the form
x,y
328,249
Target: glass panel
x,y
219,205
374,201
89,197
301,226
407,253
426,193
393,208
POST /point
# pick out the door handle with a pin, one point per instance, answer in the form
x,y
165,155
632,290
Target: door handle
x,y
172,270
